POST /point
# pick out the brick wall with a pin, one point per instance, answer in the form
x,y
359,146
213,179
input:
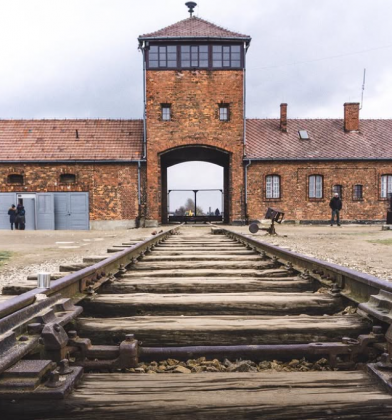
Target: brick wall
x,y
112,187
294,189
194,97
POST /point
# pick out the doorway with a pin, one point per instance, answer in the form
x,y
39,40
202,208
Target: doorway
x,y
28,202
203,169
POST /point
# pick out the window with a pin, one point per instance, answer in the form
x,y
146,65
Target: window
x,y
337,189
358,192
67,179
272,186
15,179
386,186
194,56
303,135
166,112
315,186
224,112
226,56
162,56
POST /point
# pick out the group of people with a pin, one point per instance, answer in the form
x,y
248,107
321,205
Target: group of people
x,y
17,217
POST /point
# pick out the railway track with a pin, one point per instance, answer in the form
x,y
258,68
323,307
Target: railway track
x,y
199,324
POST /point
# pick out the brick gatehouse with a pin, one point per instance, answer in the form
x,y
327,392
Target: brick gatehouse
x,y
80,174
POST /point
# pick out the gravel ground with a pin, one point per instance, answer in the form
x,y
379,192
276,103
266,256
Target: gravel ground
x,y
365,248
210,366
43,251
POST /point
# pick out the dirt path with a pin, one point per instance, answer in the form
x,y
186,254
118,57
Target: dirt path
x,y
29,252
365,248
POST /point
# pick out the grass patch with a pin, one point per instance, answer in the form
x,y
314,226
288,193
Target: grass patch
x,y
382,241
4,256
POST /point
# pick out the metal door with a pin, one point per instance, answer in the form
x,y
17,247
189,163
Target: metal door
x,y
71,211
45,211
6,201
29,205
78,209
60,211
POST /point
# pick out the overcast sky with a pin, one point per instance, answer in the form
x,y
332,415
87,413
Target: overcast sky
x,y
79,58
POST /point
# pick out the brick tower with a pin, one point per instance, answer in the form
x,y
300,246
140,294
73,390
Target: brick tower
x,y
194,107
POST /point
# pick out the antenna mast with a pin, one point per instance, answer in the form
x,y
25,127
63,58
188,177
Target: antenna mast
x,y
363,87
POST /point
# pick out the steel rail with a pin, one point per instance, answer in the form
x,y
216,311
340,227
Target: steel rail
x,y
75,284
354,285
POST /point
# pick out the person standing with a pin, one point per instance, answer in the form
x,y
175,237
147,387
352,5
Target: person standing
x,y
12,215
336,206
20,221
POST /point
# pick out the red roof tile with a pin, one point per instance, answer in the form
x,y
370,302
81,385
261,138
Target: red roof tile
x,y
328,140
50,140
194,27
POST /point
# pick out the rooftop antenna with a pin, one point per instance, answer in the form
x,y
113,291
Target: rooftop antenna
x,y
191,5
363,87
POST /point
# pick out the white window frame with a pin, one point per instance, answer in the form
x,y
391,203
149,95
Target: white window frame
x,y
166,112
272,186
386,185
315,186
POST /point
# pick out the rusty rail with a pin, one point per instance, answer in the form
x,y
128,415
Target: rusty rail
x,y
353,284
373,295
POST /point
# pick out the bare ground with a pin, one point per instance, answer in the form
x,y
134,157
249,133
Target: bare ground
x,y
29,252
363,248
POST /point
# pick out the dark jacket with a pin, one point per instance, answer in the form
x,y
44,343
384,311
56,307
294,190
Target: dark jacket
x,y
20,217
12,214
335,203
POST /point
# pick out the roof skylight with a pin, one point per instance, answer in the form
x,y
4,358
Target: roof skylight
x,y
303,135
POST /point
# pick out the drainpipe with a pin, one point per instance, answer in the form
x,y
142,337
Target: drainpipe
x,y
244,94
139,195
246,191
143,48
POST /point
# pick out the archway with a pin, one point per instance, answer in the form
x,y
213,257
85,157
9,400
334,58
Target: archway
x,y
198,153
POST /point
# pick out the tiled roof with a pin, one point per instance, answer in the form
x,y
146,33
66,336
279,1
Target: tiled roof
x,y
328,140
194,27
50,140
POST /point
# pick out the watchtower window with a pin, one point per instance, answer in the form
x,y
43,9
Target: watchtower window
x,y
224,112
67,178
162,56
166,112
15,179
194,56
226,56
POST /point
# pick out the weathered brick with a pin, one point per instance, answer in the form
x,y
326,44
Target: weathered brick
x,y
194,97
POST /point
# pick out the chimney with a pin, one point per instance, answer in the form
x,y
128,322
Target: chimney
x,y
351,116
283,117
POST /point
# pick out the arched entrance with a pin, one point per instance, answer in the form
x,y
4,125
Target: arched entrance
x,y
199,153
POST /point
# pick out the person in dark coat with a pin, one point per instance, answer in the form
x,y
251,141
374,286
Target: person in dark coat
x,y
336,206
20,221
12,215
